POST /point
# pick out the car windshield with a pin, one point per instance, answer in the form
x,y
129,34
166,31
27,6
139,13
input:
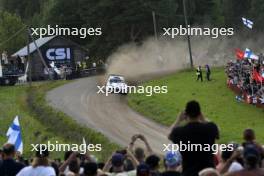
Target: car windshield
x,y
116,80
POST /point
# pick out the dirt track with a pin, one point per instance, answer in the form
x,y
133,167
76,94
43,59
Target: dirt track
x,y
108,115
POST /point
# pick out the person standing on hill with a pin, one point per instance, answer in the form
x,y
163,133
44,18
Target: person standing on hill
x,y
208,72
199,74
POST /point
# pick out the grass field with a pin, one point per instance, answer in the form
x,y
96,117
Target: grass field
x,y
217,101
40,123
12,103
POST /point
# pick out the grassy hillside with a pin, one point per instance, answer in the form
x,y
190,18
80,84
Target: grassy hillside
x,y
217,101
40,123
12,103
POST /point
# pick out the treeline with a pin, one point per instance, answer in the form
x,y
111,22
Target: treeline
x,y
121,21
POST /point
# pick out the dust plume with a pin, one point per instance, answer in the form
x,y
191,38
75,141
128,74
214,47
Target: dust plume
x,y
168,55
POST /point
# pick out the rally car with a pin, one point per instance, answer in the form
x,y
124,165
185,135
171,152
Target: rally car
x,y
116,84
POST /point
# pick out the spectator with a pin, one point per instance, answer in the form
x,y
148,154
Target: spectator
x,y
40,165
208,72
209,172
74,168
172,162
199,74
67,158
1,157
250,139
197,131
153,162
71,163
55,166
249,136
90,169
101,165
143,170
116,164
4,58
241,77
9,166
139,152
235,165
251,156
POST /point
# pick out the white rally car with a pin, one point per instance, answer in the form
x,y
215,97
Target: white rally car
x,y
116,84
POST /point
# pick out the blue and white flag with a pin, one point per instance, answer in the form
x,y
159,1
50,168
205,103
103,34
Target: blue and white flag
x,y
250,55
247,22
14,135
261,100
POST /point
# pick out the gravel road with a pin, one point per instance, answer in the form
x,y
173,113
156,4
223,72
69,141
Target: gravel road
x,y
109,115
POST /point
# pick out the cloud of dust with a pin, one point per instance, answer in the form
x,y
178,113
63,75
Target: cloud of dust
x,y
168,55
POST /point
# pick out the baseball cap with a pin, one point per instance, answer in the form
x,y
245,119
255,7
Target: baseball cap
x,y
251,151
173,158
118,159
152,161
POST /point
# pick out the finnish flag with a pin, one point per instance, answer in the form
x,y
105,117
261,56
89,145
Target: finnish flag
x,y
14,135
249,54
247,22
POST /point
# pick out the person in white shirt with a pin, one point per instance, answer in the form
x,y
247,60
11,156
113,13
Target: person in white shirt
x,y
225,156
4,58
39,167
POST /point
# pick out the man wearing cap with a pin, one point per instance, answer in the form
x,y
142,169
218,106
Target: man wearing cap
x,y
116,163
172,163
9,166
251,157
153,162
40,165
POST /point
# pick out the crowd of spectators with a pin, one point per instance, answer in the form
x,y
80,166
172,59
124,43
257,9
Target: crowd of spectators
x,y
246,77
244,159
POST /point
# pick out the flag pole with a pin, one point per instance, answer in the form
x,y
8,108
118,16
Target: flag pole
x,y
154,25
188,37
28,58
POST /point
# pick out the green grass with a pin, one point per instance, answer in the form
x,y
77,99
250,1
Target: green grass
x,y
62,125
12,103
217,101
40,123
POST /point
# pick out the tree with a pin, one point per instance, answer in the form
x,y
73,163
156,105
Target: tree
x,y
23,8
11,24
234,10
257,14
124,21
